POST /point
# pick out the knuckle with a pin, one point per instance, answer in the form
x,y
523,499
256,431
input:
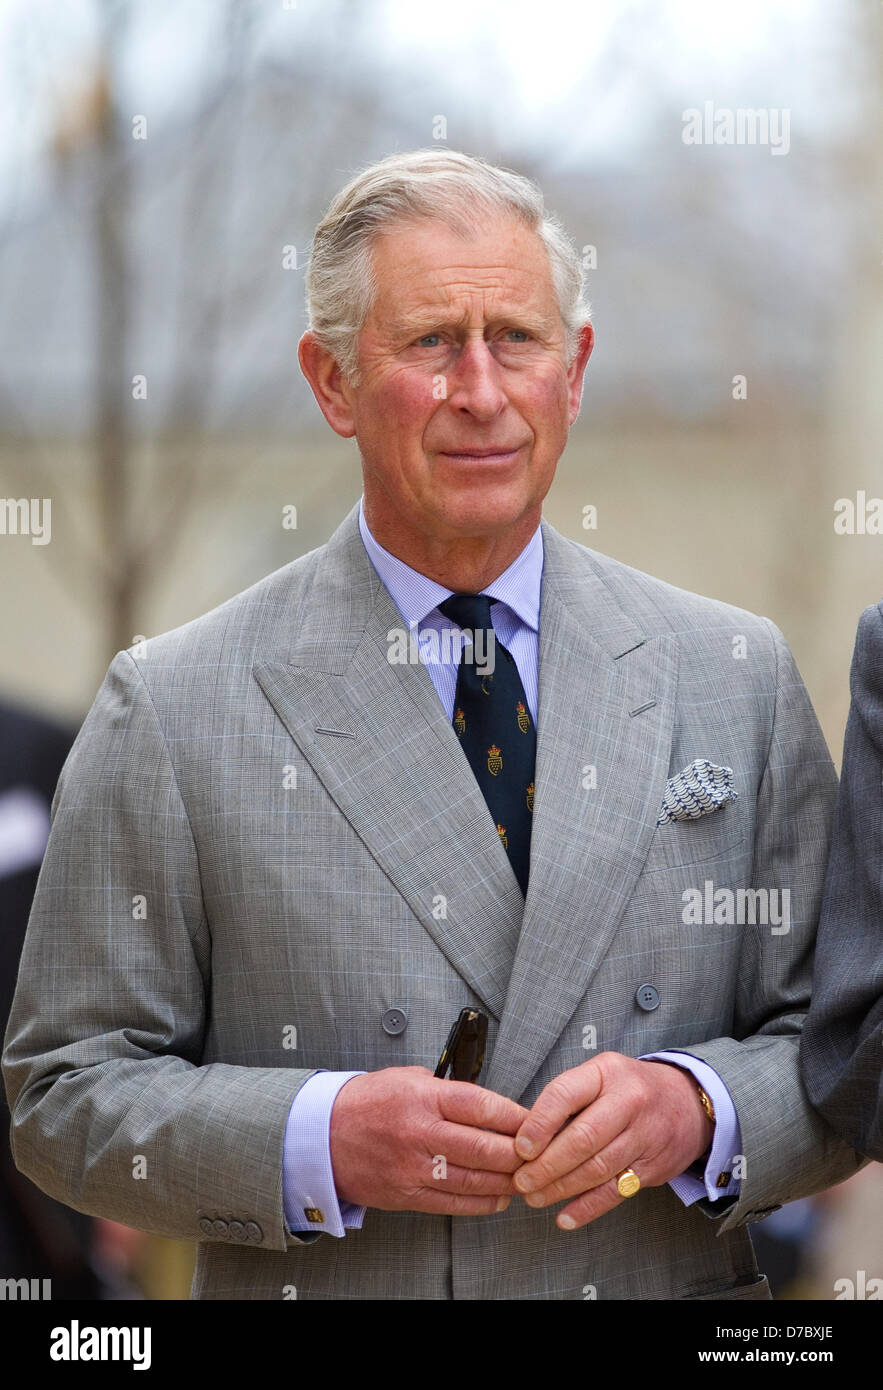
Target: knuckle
x,y
595,1171
468,1182
619,1067
479,1184
488,1102
476,1150
430,1131
583,1135
640,1093
538,1171
644,1081
559,1092
597,1202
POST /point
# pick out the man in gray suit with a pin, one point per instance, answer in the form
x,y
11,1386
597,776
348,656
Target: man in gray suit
x,y
841,1050
296,836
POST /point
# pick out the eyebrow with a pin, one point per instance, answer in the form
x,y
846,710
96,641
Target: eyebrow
x,y
429,322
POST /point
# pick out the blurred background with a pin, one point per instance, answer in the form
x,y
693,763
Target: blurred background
x,y
162,167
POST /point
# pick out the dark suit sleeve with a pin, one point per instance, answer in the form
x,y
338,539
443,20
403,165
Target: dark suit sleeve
x,y
842,1045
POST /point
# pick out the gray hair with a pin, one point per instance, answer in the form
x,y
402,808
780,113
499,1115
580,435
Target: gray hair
x,y
459,189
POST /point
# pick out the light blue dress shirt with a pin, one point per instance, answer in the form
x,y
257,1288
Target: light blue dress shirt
x,y
307,1175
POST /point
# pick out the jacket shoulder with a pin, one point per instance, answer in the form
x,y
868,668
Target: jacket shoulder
x,y
242,620
660,607
866,672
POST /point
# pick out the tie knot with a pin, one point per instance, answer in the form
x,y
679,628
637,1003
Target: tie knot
x,y
472,611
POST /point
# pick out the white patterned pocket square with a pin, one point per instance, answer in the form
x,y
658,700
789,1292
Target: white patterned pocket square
x,y
698,790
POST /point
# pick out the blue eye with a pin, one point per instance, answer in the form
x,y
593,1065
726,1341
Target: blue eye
x,y
423,341
524,335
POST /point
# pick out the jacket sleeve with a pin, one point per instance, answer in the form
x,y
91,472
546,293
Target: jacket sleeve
x,y
842,1049
112,1111
789,1150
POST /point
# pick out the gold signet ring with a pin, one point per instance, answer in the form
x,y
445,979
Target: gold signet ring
x,y
628,1183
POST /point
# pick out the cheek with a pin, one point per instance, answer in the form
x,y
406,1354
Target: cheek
x,y
545,403
407,398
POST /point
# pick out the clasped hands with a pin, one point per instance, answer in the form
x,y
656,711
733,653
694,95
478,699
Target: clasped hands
x,y
403,1140
616,1113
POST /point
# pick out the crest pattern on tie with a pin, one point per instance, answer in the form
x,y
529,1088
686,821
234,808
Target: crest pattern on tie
x,y
495,730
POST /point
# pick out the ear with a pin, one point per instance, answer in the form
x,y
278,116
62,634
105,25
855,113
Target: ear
x,y
327,384
577,369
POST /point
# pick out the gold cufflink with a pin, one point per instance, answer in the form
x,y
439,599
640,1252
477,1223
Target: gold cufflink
x,y
706,1101
314,1214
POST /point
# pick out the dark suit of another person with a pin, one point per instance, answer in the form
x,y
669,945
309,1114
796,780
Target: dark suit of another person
x,y
39,1237
842,1045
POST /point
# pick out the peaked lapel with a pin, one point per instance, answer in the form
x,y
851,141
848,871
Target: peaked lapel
x,y
393,765
606,702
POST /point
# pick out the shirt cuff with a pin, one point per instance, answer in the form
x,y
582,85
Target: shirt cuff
x,y
726,1144
309,1197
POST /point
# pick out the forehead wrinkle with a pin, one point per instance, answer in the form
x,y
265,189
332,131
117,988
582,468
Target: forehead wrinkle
x,y
436,309
473,279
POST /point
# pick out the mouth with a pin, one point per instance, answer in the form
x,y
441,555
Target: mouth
x,y
483,456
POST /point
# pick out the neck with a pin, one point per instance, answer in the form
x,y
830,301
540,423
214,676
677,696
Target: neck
x,y
466,564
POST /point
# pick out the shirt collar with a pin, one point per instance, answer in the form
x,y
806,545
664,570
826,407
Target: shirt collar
x,y
415,595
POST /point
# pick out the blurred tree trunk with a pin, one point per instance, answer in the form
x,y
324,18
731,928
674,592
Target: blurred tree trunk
x,y
111,428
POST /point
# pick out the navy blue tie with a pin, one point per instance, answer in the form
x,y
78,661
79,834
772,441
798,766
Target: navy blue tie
x,y
493,724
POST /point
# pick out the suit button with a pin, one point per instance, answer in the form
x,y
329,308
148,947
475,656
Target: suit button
x,y
394,1021
647,997
237,1230
220,1228
253,1231
206,1226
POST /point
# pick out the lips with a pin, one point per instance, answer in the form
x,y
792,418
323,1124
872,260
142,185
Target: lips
x,y
493,452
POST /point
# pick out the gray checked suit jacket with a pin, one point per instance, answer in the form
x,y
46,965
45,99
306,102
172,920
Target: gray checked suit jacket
x,y
268,834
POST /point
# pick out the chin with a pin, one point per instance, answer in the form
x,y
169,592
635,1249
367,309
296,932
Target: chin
x,y
480,514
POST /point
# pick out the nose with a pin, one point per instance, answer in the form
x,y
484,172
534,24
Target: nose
x,y
475,384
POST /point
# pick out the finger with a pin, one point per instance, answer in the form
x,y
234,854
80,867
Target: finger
x,y
481,1149
456,1204
596,1171
467,1104
471,1182
564,1096
590,1206
588,1133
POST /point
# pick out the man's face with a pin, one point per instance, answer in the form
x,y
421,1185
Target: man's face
x,y
465,399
